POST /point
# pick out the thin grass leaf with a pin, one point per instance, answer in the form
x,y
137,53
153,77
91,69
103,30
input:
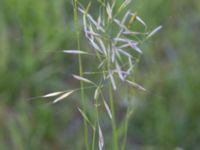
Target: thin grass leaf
x,y
102,45
135,47
99,22
129,44
154,32
112,81
118,54
63,96
74,52
95,46
124,52
122,26
121,39
85,26
130,67
113,54
128,72
101,64
101,2
141,21
86,118
97,92
113,4
92,33
136,85
132,44
124,5
90,18
88,7
94,22
83,79
125,17
119,71
101,139
91,73
133,33
107,109
109,11
84,17
130,62
52,94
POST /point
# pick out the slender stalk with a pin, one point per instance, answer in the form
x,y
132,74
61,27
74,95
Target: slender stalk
x,y
96,125
94,137
81,73
127,117
114,128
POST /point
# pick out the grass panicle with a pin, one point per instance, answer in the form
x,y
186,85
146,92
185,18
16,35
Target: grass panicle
x,y
116,47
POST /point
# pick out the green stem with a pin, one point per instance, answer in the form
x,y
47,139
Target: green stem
x,y
81,74
94,137
114,128
96,125
127,117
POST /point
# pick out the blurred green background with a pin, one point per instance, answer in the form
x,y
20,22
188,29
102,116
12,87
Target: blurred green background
x,y
32,34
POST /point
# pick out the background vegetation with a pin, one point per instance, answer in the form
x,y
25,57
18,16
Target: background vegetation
x,y
32,34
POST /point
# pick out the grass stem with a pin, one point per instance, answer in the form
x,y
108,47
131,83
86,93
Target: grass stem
x,y
81,73
114,128
127,117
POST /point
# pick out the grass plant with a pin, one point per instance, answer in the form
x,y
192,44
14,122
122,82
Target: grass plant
x,y
115,45
31,62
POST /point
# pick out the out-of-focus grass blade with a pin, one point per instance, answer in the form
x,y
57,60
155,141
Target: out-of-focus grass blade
x,y
86,118
124,53
102,63
135,47
101,140
112,81
52,94
154,32
95,46
141,21
107,109
97,92
119,71
102,45
74,52
136,85
121,40
63,96
134,33
123,5
125,17
83,79
109,11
